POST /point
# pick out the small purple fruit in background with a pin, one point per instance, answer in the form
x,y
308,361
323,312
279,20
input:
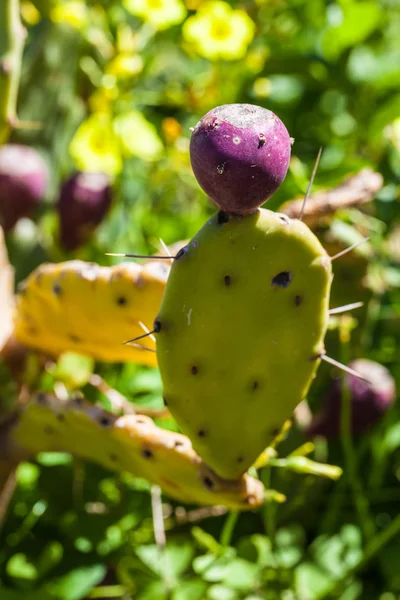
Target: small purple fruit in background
x,y
24,179
369,401
85,199
240,155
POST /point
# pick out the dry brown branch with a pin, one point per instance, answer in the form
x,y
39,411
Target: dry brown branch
x,y
353,191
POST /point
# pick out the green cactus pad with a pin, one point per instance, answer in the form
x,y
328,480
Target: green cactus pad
x,y
239,333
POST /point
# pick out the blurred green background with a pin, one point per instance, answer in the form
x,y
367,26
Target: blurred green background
x,y
115,87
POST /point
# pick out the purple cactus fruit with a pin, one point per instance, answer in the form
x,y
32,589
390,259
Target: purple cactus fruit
x,y
23,182
85,199
240,155
369,401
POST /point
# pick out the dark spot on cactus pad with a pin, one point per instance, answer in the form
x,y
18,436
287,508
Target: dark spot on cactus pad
x,y
74,338
194,370
61,417
298,300
221,168
222,218
57,289
122,301
240,459
209,484
274,432
227,280
255,385
113,457
147,453
140,421
157,326
41,398
283,279
178,443
105,421
165,401
201,433
181,252
285,219
262,139
49,430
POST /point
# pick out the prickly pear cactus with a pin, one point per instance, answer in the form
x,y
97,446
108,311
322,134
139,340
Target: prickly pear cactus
x,y
239,332
81,307
135,444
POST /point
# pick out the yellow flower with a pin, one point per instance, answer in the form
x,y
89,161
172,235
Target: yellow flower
x,y
219,32
95,146
161,14
30,13
72,13
125,65
138,137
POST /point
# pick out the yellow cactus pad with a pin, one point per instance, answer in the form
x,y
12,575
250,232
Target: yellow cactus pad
x,y
131,443
81,307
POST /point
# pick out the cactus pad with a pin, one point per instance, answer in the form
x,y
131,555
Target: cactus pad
x,y
81,307
130,443
239,333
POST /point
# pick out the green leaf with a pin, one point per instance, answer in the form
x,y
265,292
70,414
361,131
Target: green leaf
x,y
221,592
74,370
212,568
194,589
20,567
241,574
358,21
310,581
78,583
177,558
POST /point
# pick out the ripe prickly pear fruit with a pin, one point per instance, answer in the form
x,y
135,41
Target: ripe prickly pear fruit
x,y
239,333
23,182
240,155
369,400
85,199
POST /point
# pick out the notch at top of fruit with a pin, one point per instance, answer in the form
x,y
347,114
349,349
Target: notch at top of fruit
x,y
240,155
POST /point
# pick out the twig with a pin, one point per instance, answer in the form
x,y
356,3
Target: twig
x,y
160,537
6,493
354,190
12,36
121,404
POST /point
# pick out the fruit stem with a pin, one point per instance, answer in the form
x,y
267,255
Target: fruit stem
x,y
12,36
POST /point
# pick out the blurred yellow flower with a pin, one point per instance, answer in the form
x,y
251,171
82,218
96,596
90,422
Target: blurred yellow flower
x,y
219,32
30,13
262,87
72,13
138,137
125,65
172,129
95,146
161,14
